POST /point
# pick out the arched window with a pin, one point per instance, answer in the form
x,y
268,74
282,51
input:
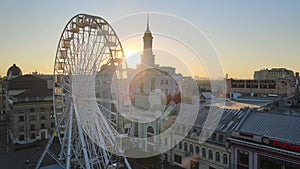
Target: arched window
x,y
192,148
210,154
141,85
197,150
150,133
214,136
152,83
180,145
217,156
225,159
203,152
185,146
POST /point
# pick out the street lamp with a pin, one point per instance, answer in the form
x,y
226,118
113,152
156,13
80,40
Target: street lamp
x,y
26,164
162,161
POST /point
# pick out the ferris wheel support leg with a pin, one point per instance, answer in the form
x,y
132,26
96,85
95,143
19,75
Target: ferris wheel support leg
x,y
48,144
83,145
69,138
127,163
44,152
62,149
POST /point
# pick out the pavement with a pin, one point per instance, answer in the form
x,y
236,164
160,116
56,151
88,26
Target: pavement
x,y
19,159
151,163
12,157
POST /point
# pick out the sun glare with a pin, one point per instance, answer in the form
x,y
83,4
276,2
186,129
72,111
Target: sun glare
x,y
132,58
129,53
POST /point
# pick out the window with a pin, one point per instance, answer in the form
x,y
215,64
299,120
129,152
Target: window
x,y
42,109
32,127
43,116
52,116
162,82
52,108
22,117
32,117
217,156
192,148
180,145
225,158
243,157
177,158
21,128
141,85
197,150
210,154
32,136
31,110
43,126
152,83
203,152
213,137
21,138
175,143
52,125
221,137
185,146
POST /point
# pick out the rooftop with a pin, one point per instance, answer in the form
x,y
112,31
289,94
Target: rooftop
x,y
228,120
27,82
273,125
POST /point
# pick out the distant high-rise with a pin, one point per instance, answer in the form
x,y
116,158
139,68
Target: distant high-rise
x,y
147,58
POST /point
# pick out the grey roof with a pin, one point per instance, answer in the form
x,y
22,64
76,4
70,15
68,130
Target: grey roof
x,y
226,122
207,95
27,82
30,93
273,125
33,88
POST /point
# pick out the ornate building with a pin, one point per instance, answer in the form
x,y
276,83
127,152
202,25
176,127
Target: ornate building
x,y
152,88
29,106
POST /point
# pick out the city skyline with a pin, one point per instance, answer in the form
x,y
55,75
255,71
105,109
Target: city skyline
x,y
248,36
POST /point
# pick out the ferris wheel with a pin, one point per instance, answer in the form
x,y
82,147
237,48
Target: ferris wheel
x,y
89,63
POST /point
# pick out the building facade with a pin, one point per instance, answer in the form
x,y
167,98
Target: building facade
x,y
273,74
194,151
29,105
2,100
283,88
151,88
266,140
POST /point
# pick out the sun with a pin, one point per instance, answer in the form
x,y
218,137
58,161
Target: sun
x,y
132,58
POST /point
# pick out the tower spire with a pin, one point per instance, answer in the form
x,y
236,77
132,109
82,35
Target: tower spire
x,y
147,30
147,57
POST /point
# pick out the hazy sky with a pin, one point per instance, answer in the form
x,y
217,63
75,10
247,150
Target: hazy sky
x,y
248,35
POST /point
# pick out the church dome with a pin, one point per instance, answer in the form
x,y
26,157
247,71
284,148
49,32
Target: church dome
x,y
14,70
